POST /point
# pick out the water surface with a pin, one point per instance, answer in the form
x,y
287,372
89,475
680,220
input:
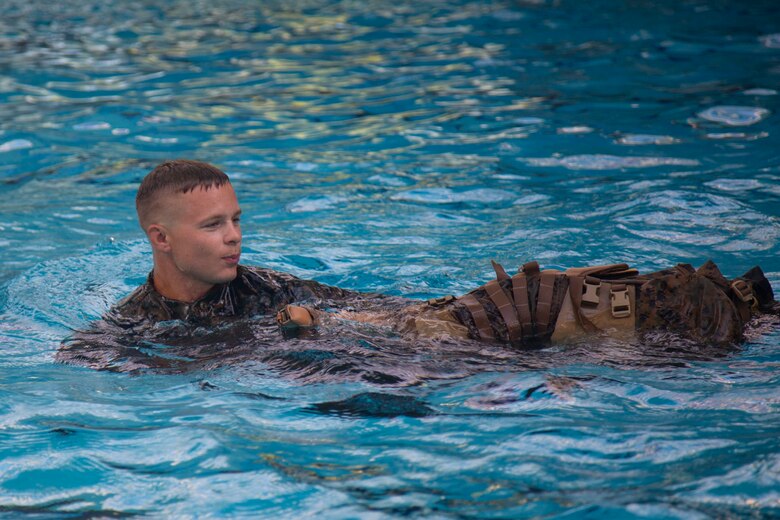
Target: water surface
x,y
391,146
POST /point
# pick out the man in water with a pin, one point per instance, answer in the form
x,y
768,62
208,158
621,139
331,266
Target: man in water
x,y
192,219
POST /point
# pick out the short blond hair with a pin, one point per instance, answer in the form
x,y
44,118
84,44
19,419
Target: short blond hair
x,y
177,176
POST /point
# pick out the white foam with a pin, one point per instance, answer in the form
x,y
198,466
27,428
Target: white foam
x,y
760,92
734,115
15,144
446,195
771,40
646,139
91,126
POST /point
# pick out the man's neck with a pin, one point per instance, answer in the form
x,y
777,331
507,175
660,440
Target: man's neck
x,y
177,289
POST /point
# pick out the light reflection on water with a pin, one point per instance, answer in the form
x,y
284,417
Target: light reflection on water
x,y
393,147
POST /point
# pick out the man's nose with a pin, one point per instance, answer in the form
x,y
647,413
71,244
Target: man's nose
x,y
233,234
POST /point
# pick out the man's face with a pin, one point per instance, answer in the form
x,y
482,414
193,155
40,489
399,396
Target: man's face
x,y
204,235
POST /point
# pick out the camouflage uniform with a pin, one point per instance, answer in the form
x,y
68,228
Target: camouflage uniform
x,y
254,292
148,330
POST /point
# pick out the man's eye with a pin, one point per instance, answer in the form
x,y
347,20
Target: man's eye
x,y
212,224
236,220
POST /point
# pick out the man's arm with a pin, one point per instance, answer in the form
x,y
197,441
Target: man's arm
x,y
103,346
288,289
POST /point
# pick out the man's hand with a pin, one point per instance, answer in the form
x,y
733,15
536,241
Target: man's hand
x,y
294,316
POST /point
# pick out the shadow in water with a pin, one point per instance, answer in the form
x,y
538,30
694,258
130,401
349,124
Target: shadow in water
x,y
373,404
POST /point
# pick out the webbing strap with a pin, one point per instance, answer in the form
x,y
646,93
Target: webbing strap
x,y
544,301
575,292
505,307
610,271
500,271
520,294
479,315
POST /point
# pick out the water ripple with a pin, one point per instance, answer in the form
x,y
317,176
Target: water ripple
x,y
393,147
608,162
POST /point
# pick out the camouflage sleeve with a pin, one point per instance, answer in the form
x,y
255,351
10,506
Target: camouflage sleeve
x,y
104,346
290,289
111,343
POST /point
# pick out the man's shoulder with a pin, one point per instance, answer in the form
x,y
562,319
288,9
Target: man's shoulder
x,y
251,274
285,286
262,280
141,304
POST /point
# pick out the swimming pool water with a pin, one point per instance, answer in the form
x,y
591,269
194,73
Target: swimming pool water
x,y
398,147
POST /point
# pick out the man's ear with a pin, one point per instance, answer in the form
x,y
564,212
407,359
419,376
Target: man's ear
x,y
158,237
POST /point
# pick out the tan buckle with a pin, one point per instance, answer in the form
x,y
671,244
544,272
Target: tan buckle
x,y
442,300
590,291
283,317
743,291
621,304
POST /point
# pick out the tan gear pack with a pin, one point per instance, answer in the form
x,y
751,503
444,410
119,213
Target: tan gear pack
x,y
534,309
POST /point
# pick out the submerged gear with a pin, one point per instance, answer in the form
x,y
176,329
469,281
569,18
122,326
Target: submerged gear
x,y
535,307
532,307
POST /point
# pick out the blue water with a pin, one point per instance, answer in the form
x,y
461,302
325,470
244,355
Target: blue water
x,y
391,146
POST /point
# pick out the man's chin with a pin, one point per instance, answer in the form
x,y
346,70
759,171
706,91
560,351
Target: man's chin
x,y
231,275
225,276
